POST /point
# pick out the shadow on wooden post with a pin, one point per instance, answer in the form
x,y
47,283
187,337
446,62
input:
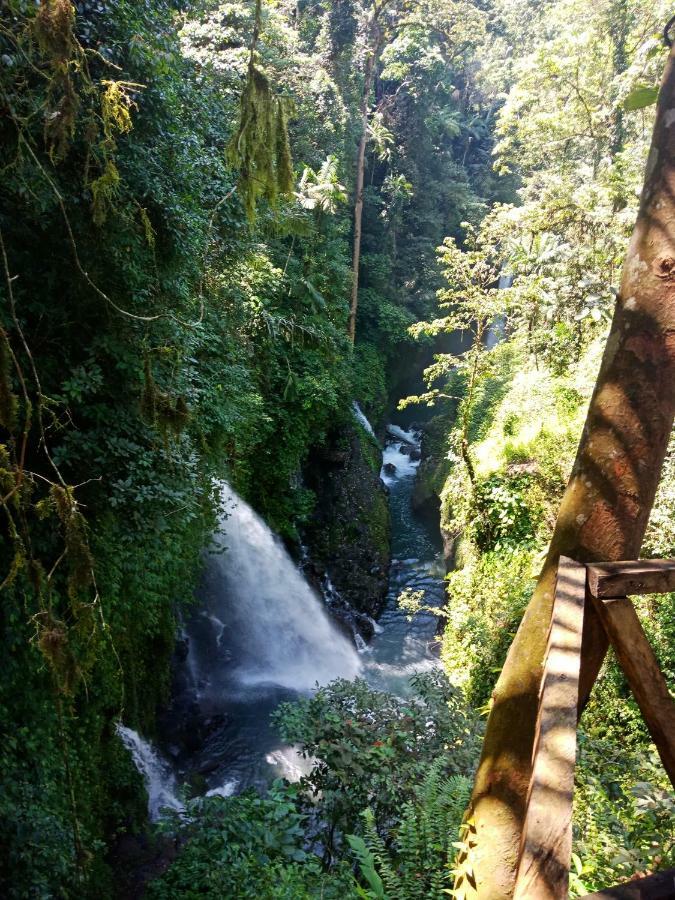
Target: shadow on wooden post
x,y
591,610
546,843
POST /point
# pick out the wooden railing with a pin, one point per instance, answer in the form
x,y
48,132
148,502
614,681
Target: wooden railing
x,y
589,597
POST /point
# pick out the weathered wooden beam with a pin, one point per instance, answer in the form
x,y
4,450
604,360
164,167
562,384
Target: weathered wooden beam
x,y
546,843
655,887
636,657
623,579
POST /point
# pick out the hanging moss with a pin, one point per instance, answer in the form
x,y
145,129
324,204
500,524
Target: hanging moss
x,y
103,191
260,148
148,230
53,643
160,409
284,161
54,32
78,554
116,108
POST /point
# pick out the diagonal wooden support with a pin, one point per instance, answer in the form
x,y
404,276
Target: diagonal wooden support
x,y
546,843
654,887
643,674
590,611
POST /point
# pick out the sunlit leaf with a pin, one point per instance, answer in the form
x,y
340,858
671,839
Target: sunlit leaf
x,y
641,97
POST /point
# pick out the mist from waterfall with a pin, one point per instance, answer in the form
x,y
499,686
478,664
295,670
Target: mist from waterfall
x,y
269,627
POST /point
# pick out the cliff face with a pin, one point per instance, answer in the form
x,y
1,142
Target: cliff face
x,y
348,537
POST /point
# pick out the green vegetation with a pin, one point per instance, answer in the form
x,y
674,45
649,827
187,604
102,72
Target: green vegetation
x,y
385,780
156,335
176,211
512,435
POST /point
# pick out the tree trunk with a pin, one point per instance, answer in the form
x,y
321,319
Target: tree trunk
x,y
619,29
605,508
360,172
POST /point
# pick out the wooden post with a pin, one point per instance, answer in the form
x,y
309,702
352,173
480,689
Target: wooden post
x,y
546,844
655,887
640,576
644,676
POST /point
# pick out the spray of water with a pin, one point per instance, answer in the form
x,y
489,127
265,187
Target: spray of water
x,y
160,782
274,625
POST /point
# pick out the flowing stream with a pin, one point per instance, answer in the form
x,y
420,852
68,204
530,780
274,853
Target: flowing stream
x,y
260,635
403,646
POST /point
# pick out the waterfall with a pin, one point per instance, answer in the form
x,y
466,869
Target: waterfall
x,y
496,330
258,636
160,782
272,627
360,416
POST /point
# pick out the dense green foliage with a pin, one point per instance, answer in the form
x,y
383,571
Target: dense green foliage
x,y
175,215
575,127
153,337
386,778
249,846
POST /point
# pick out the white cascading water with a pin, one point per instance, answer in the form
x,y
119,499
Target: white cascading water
x,y
260,635
160,782
495,332
274,624
360,416
394,455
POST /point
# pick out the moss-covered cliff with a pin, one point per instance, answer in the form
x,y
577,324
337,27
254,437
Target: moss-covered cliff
x,y
348,534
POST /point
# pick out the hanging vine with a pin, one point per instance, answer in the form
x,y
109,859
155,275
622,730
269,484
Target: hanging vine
x,y
260,148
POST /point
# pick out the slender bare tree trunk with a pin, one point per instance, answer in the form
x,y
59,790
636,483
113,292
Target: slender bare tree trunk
x,y
371,60
605,508
619,28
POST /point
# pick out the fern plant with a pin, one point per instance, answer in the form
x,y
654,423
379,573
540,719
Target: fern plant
x,y
415,860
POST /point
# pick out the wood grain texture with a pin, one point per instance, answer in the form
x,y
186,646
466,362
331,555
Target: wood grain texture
x,y
655,887
546,845
623,579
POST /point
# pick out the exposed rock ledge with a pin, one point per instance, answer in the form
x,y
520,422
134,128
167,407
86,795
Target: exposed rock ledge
x,y
348,537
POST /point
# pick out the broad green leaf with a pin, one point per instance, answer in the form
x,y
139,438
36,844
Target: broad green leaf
x,y
641,97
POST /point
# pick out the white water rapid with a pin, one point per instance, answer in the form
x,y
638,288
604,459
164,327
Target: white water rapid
x,y
397,454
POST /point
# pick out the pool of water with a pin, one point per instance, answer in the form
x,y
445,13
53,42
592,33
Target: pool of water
x,y
260,636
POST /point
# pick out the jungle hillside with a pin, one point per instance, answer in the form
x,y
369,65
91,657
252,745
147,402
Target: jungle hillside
x,y
336,342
